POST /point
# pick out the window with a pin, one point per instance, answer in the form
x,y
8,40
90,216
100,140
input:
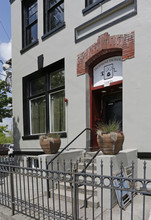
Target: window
x,y
90,5
32,162
29,22
57,104
89,2
44,106
53,15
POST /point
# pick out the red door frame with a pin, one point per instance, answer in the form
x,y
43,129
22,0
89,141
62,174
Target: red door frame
x,y
93,109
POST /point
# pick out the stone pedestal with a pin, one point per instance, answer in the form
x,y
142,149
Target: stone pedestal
x,y
126,156
66,156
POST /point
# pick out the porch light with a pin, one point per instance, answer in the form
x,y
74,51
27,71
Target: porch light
x,y
103,91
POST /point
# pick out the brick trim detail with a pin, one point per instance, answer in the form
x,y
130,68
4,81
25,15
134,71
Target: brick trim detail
x,y
104,45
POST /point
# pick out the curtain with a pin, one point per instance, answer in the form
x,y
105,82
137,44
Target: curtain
x,y
38,115
57,112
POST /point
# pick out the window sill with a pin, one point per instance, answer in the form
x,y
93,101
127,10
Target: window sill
x,y
54,31
36,137
29,47
93,6
28,153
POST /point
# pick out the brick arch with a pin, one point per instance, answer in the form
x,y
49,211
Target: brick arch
x,y
106,44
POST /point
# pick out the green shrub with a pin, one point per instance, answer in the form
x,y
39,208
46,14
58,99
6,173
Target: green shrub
x,y
112,126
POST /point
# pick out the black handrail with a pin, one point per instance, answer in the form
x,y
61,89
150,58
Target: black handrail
x,y
90,161
68,145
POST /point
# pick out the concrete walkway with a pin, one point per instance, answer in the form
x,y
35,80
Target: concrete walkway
x,y
5,213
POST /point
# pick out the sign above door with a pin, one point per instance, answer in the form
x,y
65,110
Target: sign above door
x,y
108,71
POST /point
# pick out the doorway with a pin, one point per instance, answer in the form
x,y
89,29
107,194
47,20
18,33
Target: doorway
x,y
106,106
112,104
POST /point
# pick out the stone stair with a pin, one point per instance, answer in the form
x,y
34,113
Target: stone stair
x,y
65,191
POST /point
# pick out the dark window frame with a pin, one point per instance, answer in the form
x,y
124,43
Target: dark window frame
x,y
47,31
27,26
27,97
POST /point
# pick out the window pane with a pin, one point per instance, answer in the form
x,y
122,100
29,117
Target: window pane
x,y
37,86
32,13
57,79
57,112
31,34
38,115
52,2
56,17
29,22
89,2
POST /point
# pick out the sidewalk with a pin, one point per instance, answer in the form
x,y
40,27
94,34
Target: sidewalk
x,y
5,213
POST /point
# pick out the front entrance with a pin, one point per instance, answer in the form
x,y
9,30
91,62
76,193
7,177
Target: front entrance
x,y
113,107
106,106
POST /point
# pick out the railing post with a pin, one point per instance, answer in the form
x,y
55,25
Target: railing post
x,y
75,195
47,177
11,189
144,189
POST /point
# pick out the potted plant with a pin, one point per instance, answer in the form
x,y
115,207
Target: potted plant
x,y
50,143
109,137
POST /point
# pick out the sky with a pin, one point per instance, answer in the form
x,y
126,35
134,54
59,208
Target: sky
x,y
5,30
5,39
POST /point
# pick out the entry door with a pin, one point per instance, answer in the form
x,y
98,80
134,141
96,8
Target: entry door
x,y
106,106
113,108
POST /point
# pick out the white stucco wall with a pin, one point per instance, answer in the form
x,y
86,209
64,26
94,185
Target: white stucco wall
x,y
136,72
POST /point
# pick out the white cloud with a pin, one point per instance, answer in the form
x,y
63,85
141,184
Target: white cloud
x,y
3,75
7,121
5,51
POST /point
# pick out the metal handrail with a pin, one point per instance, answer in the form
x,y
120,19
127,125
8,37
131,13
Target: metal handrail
x,y
60,152
90,161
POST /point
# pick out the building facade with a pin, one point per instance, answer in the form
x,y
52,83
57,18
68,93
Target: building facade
x,y
76,63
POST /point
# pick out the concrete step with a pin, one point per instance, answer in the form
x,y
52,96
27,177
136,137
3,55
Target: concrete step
x,y
80,189
65,190
62,195
89,169
89,155
86,159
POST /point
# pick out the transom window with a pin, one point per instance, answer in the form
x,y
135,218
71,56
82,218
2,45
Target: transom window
x,y
54,15
29,22
44,105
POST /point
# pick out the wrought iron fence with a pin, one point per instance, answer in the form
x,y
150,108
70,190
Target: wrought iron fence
x,y
73,194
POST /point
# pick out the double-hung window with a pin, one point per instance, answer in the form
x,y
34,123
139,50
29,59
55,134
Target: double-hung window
x,y
56,101
44,106
53,15
37,105
29,19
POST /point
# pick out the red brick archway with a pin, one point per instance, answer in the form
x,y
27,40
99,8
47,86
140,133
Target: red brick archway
x,y
106,44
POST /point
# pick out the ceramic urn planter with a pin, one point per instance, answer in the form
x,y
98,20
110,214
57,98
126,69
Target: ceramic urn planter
x,y
110,143
50,145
